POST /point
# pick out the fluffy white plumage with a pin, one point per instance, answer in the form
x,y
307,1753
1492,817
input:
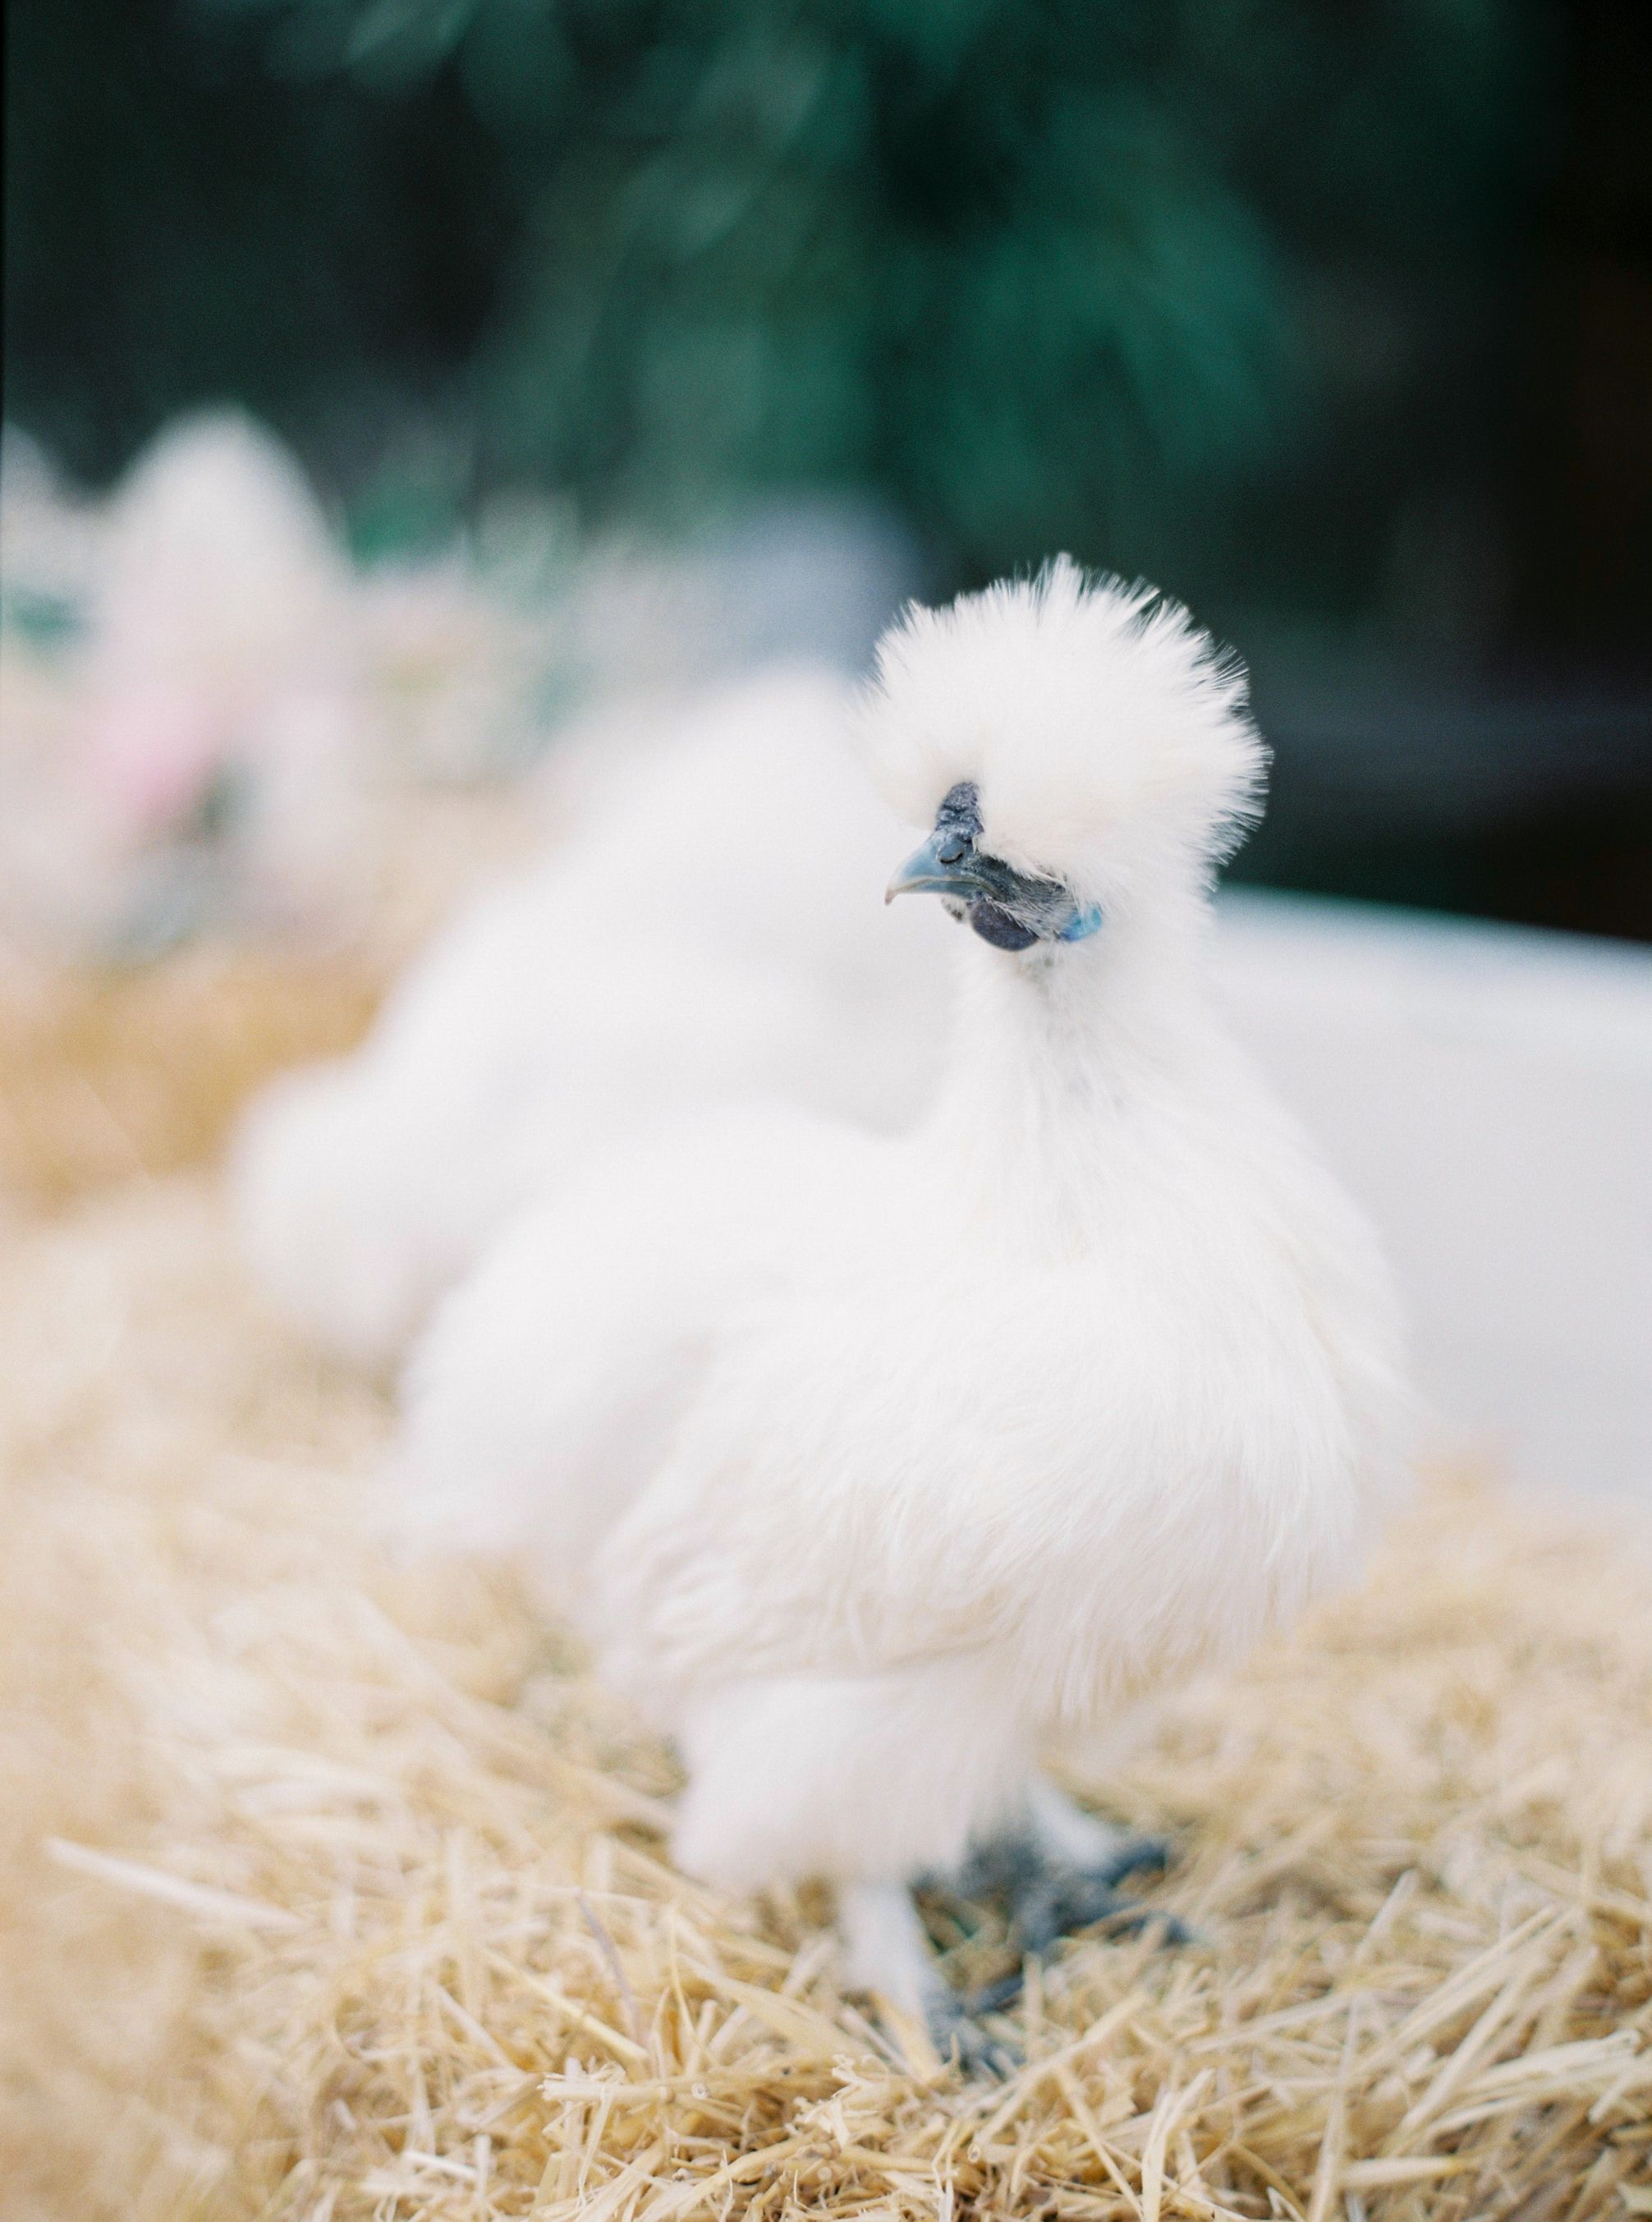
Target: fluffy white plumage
x,y
874,1467
656,960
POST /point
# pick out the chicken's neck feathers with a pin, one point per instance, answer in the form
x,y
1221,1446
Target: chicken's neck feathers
x,y
1064,1062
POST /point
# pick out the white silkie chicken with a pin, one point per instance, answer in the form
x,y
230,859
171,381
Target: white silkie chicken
x,y
876,1469
221,742
656,960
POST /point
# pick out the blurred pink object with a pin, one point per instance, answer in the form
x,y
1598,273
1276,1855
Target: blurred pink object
x,y
152,752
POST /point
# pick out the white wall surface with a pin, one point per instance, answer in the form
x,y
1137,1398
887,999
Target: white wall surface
x,y
1486,1091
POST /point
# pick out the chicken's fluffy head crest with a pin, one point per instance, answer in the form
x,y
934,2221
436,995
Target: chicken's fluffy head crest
x,y
1105,736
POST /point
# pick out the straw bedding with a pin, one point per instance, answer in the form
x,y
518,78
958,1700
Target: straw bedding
x,y
337,1893
107,1073
111,1069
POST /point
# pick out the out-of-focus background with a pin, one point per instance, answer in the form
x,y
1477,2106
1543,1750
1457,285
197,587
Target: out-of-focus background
x,y
577,348
1336,321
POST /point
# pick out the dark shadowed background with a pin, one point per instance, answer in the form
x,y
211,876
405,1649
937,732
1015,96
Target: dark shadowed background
x,y
1335,319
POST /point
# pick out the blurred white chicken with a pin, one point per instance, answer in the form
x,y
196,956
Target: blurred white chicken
x,y
876,1468
196,756
656,960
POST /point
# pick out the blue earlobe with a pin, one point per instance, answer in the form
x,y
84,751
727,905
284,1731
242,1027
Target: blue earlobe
x,y
1087,922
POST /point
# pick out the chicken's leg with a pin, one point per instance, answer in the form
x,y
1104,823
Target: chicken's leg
x,y
1065,1835
887,1953
1061,1871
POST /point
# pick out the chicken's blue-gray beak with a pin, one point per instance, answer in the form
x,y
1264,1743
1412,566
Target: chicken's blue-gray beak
x,y
941,867
949,863
1005,907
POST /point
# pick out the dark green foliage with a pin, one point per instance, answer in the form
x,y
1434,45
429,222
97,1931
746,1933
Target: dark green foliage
x,y
1123,276
185,224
